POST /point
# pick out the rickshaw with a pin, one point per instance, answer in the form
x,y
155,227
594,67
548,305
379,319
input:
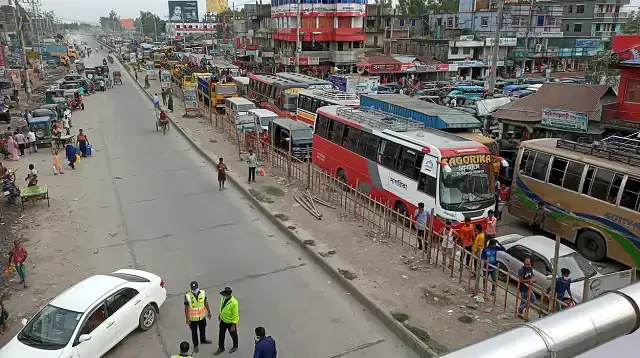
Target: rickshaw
x,y
53,93
41,126
97,80
90,73
74,97
117,78
102,71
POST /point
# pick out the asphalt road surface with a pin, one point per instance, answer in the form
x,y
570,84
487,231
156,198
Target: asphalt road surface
x,y
180,226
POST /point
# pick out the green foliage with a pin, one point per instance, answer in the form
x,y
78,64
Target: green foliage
x,y
602,69
632,25
421,7
444,5
149,23
111,22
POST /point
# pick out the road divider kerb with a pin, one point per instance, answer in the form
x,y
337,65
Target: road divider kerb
x,y
398,328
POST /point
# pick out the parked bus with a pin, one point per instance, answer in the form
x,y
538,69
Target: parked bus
x,y
313,82
275,94
398,160
310,100
467,91
591,193
242,84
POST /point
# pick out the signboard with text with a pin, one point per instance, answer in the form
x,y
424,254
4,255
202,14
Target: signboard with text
x,y
190,99
183,11
468,164
564,120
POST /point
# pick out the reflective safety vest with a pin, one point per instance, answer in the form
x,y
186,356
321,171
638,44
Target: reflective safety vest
x,y
229,313
195,308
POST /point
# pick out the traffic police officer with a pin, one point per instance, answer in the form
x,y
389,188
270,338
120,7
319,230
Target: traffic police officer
x,y
228,316
196,311
184,351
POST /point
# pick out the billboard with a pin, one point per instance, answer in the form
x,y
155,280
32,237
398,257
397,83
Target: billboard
x,y
127,23
183,11
217,6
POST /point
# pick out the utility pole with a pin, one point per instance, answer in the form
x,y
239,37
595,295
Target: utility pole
x,y
298,40
526,37
18,19
155,27
494,58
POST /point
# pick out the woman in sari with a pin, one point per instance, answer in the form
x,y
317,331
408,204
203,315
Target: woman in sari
x,y
12,146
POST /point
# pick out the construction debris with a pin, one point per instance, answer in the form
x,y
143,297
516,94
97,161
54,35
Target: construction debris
x,y
307,201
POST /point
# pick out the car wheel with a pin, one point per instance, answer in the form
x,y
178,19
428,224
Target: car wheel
x,y
147,318
502,272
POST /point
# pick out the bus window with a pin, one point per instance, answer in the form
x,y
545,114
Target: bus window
x,y
322,125
336,134
615,189
368,146
388,153
540,166
353,139
631,194
427,184
558,168
410,163
573,176
597,183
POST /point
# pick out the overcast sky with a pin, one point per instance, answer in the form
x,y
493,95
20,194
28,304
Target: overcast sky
x,y
91,10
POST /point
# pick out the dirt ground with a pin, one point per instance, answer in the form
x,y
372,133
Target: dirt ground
x,y
446,314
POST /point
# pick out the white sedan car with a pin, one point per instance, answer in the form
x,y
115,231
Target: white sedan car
x,y
91,317
541,251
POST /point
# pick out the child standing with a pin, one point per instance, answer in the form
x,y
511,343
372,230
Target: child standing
x,y
222,175
56,163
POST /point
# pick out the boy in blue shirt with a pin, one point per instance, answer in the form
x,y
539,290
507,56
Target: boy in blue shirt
x,y
563,284
490,255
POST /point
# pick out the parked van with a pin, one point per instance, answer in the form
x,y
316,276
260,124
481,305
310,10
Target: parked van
x,y
236,109
262,117
283,130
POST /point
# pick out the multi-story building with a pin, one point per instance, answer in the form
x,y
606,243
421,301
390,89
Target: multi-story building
x,y
597,19
331,32
260,25
384,26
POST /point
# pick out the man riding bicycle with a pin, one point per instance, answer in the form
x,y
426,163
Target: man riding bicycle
x,y
163,117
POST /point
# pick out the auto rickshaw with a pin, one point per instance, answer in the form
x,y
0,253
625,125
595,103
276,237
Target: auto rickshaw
x,y
97,80
102,71
117,78
79,66
90,73
41,126
53,93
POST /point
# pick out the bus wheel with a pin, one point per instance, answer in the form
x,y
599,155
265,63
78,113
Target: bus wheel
x,y
592,245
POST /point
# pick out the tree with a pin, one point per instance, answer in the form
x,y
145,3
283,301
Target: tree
x,y
111,22
412,7
149,24
632,25
602,68
444,5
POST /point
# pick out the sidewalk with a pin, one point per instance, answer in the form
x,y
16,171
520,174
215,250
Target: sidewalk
x,y
432,304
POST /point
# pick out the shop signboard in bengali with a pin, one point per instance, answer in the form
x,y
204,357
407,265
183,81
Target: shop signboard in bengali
x,y
267,54
470,63
251,53
349,7
309,61
251,47
190,99
447,67
468,164
387,67
430,68
504,41
322,8
564,120
587,43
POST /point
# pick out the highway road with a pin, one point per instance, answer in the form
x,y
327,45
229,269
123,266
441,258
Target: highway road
x,y
178,225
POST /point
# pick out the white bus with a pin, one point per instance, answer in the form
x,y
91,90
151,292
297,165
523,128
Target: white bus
x,y
310,100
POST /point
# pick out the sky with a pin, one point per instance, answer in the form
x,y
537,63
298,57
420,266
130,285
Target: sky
x,y
92,10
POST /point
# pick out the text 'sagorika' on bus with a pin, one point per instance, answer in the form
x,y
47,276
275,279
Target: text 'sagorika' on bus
x,y
398,160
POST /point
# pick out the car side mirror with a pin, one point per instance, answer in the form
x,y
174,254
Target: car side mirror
x,y
84,338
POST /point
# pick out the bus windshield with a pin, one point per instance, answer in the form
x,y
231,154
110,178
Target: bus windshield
x,y
466,185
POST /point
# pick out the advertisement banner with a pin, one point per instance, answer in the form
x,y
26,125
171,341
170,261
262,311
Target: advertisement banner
x,y
251,47
504,41
564,120
183,11
165,79
217,6
587,43
388,67
190,99
308,61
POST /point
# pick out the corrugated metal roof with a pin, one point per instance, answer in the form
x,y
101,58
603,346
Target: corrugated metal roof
x,y
453,118
565,96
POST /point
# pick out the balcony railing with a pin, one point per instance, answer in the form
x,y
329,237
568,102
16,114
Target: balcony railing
x,y
610,17
604,34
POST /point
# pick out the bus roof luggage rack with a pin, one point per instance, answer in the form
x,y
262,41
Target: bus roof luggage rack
x,y
335,94
630,143
603,149
379,119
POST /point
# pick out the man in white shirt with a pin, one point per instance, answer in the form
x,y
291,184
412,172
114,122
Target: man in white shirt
x,y
20,139
31,139
102,88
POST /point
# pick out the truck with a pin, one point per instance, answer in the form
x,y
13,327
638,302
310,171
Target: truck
x,y
432,115
216,91
57,53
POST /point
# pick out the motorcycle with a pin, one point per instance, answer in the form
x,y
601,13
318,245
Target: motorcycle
x,y
11,191
104,61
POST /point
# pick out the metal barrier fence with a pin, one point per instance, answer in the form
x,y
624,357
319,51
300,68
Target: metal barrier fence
x,y
458,263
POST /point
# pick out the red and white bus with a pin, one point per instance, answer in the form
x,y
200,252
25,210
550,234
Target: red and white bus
x,y
397,159
275,94
310,100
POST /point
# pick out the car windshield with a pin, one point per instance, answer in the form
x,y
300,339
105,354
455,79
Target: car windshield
x,y
50,329
264,121
579,266
466,185
302,135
